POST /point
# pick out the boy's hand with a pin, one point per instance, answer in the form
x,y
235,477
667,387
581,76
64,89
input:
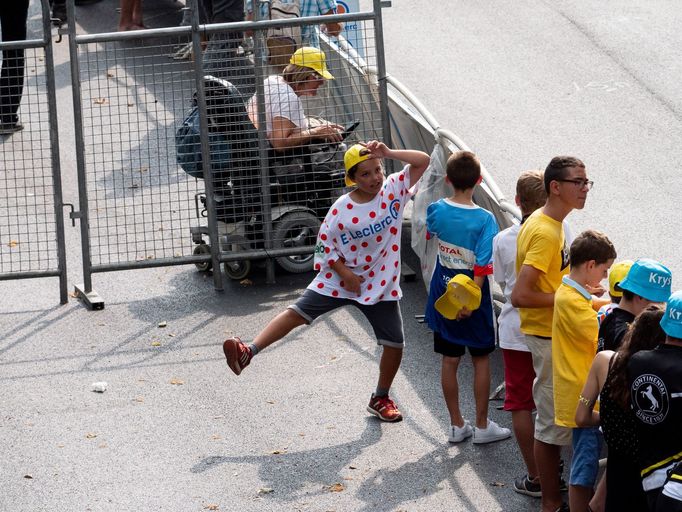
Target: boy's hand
x,y
377,149
352,282
597,291
464,313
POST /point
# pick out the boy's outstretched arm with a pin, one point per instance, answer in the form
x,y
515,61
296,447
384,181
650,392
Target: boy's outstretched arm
x,y
417,160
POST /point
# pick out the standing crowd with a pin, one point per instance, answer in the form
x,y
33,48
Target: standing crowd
x,y
592,368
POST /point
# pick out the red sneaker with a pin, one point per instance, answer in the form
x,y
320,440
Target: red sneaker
x,y
384,408
238,355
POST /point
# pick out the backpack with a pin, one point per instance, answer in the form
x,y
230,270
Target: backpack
x,y
188,147
282,42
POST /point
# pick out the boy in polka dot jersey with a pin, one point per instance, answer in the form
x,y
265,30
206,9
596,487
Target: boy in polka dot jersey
x,y
357,257
465,235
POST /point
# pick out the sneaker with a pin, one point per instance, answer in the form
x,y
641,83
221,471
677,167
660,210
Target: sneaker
x,y
493,432
384,408
528,487
9,128
458,434
238,355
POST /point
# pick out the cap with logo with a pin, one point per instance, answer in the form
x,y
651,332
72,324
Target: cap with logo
x,y
617,273
648,279
672,319
354,155
313,58
461,292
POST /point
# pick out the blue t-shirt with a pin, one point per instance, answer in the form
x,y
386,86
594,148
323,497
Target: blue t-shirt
x,y
465,246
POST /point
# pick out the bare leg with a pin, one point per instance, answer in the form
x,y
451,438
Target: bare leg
x,y
481,389
278,327
137,14
579,498
448,380
598,501
547,460
131,15
388,366
522,422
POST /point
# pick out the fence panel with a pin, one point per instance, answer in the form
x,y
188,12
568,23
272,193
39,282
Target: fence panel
x,y
31,216
176,164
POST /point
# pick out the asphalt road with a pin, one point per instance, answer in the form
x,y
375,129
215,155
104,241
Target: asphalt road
x,y
175,431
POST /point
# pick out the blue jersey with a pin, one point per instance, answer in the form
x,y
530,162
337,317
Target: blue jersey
x,y
465,246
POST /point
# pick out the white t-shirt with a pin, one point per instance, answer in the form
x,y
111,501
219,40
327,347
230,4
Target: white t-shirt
x,y
504,273
280,101
367,237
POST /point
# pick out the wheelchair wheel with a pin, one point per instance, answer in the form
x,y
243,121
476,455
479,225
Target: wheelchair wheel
x,y
296,229
204,266
237,269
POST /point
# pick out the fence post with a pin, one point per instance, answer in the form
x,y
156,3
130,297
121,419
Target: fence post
x,y
381,71
205,147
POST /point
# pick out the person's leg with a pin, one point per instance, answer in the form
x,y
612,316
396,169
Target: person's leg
x,y
137,14
547,460
13,16
584,467
306,309
518,399
598,501
548,437
388,366
387,322
448,380
278,327
522,423
481,388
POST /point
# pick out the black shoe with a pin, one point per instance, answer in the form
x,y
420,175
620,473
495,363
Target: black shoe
x,y
526,486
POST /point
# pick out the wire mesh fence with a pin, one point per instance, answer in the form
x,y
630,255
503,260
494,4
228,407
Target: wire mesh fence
x,y
273,137
31,228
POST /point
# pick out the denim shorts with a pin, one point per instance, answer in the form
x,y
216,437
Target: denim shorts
x,y
585,463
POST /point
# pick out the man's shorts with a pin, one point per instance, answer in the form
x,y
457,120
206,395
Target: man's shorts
x,y
384,317
585,462
543,394
518,380
449,349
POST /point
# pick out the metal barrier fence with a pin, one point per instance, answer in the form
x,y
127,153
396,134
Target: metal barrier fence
x,y
172,169
31,216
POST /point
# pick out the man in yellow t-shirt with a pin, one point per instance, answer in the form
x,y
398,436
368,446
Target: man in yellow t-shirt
x,y
541,262
574,344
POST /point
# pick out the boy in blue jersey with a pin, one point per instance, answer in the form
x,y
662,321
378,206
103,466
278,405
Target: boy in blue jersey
x,y
465,235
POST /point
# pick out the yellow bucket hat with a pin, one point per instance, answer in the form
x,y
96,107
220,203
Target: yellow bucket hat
x,y
313,58
618,272
354,155
461,292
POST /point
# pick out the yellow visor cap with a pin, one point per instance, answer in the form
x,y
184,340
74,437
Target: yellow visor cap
x,y
618,272
313,58
356,154
461,292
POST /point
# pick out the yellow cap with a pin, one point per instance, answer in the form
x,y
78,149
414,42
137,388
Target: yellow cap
x,y
618,272
313,58
461,292
354,155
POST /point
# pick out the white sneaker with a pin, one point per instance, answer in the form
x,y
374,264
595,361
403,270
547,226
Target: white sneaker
x,y
458,434
493,432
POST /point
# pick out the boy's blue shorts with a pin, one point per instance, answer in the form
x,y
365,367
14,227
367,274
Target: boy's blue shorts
x,y
587,444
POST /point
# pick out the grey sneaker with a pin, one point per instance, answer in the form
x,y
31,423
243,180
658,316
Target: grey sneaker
x,y
528,487
493,432
458,434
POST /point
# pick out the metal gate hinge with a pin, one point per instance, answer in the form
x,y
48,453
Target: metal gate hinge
x,y
73,214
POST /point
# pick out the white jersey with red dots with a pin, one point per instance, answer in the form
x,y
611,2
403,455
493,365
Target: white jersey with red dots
x,y
367,237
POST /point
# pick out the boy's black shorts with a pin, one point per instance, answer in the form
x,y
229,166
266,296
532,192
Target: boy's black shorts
x,y
450,349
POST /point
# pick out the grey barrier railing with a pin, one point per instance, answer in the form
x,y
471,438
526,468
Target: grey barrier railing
x,y
151,195
31,209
